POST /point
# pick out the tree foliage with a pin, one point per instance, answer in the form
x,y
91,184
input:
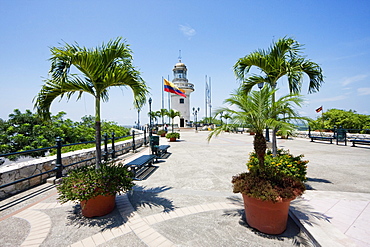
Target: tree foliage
x,y
341,118
172,114
26,131
259,111
282,59
98,70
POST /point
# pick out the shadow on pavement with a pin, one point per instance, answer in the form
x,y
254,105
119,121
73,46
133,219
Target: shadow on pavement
x,y
142,196
109,221
316,180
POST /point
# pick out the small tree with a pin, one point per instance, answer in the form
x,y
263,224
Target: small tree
x,y
101,68
172,114
162,113
283,58
258,110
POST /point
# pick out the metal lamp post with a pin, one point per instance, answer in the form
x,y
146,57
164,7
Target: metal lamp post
x,y
150,117
195,113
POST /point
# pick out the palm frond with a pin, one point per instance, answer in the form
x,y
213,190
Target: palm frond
x,y
282,58
314,72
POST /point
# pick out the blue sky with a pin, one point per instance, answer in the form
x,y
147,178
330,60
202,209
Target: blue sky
x,y
212,36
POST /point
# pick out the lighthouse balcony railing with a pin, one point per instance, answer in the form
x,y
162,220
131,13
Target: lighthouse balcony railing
x,y
185,85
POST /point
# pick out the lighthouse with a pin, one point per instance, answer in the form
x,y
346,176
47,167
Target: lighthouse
x,y
178,102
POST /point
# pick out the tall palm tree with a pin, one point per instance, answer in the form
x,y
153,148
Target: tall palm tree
x,y
162,112
255,109
172,114
283,58
154,116
99,69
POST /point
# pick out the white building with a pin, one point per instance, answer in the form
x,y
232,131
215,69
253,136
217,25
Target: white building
x,y
178,102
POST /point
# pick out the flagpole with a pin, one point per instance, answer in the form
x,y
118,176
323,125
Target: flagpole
x,y
169,102
210,99
206,98
162,93
322,116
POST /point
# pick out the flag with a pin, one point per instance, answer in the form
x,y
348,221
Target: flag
x,y
319,109
171,88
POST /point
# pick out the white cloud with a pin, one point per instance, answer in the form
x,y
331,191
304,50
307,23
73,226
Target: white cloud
x,y
336,98
349,80
188,31
363,91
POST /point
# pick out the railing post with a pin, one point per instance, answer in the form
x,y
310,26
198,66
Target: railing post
x,y
133,141
105,147
59,165
113,148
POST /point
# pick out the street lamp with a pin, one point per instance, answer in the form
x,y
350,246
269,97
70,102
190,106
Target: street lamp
x,y
150,117
195,113
267,135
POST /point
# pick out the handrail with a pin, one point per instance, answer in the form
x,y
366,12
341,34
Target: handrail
x,y
59,166
27,151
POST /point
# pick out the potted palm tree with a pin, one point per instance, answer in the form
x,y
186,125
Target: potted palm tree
x,y
271,182
161,133
154,116
95,189
99,69
162,113
173,136
172,114
283,58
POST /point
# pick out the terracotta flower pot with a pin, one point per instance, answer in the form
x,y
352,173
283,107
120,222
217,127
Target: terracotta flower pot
x,y
172,139
98,206
266,216
163,134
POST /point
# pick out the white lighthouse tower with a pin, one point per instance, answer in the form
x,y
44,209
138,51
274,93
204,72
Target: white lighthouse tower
x,y
178,102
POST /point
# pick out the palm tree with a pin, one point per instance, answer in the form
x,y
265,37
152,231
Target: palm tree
x,y
281,59
256,109
172,114
162,112
100,68
154,116
226,117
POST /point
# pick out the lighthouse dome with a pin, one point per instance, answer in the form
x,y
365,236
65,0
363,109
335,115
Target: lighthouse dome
x,y
179,65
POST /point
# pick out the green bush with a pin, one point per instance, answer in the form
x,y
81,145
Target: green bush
x,y
88,182
284,163
173,135
160,132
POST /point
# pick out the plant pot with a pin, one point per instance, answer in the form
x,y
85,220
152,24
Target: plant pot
x,y
172,139
163,134
252,133
98,206
266,216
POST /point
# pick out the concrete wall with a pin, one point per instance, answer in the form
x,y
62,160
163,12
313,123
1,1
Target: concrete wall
x,y
26,169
